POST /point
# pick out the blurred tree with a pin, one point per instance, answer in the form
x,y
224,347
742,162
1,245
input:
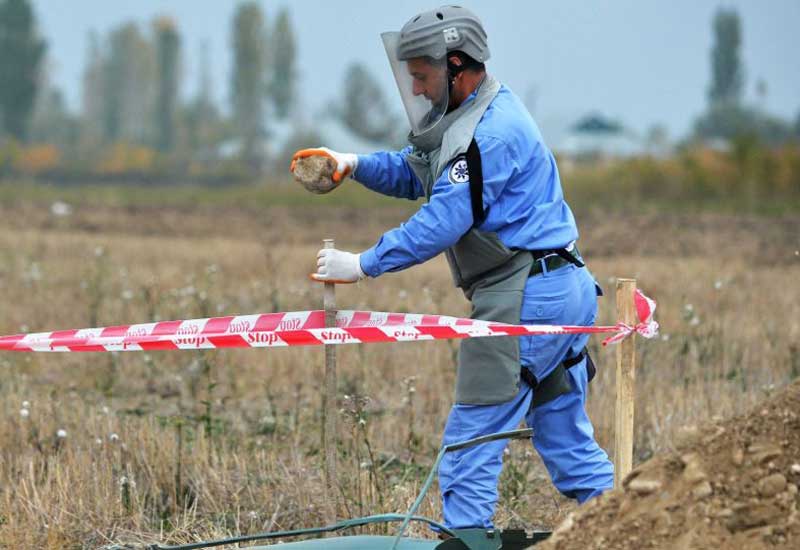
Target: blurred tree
x,y
657,140
797,126
52,122
248,81
762,90
129,85
726,118
283,55
727,74
363,107
168,45
729,122
93,95
204,125
21,55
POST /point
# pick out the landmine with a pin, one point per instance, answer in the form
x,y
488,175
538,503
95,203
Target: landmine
x,y
315,173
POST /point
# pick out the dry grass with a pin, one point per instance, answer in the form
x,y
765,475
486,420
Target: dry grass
x,y
179,446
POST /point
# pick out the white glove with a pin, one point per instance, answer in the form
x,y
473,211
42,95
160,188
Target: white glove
x,y
346,163
337,266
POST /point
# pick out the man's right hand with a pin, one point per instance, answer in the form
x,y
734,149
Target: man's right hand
x,y
346,163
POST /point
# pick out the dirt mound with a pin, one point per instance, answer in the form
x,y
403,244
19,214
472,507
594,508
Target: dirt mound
x,y
729,485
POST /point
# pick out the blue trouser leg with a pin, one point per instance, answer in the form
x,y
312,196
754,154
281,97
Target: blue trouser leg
x,y
564,437
563,434
468,478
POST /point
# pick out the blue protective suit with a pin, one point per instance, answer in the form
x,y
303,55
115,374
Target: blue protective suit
x,y
525,207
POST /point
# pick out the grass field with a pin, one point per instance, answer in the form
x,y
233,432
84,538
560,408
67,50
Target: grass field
x,y
179,446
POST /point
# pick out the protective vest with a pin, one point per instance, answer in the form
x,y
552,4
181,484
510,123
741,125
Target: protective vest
x,y
491,275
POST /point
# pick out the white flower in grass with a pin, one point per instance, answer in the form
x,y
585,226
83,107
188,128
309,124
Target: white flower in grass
x,y
24,413
99,251
34,273
60,209
124,480
113,438
61,434
98,441
26,404
127,295
253,515
718,284
695,321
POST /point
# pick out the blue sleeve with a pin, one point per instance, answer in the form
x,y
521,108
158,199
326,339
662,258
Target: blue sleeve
x,y
388,173
441,222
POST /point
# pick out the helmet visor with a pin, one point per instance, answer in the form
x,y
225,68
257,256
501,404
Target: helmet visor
x,y
422,81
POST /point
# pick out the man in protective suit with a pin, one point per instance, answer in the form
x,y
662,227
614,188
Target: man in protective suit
x,y
496,208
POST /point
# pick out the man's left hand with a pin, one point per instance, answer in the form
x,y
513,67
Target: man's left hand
x,y
338,266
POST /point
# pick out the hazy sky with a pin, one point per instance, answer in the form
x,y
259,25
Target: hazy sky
x,y
643,62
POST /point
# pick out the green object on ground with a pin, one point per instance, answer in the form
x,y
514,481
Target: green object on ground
x,y
460,539
355,542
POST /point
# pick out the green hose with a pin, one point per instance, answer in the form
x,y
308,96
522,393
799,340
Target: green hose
x,y
345,524
379,518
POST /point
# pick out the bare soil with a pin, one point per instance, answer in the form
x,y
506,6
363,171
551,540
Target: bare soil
x,y
727,485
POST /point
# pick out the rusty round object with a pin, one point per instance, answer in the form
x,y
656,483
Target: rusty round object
x,y
315,173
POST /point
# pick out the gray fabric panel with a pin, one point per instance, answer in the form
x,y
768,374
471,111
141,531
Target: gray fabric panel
x,y
488,368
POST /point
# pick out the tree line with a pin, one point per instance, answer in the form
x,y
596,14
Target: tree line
x,y
727,115
133,120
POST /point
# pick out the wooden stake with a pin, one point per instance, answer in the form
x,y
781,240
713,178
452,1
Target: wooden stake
x,y
626,383
329,404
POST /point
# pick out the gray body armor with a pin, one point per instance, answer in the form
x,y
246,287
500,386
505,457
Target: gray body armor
x,y
491,275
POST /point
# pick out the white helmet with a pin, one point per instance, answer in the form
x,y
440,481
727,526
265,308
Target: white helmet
x,y
418,56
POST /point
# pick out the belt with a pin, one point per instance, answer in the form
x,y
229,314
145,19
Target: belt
x,y
554,259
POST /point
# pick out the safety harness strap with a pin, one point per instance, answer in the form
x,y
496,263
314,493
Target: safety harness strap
x,y
556,383
475,169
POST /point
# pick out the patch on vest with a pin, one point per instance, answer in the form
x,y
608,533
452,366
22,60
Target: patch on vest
x,y
459,172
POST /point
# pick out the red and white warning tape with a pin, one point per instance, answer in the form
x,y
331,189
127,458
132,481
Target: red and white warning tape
x,y
303,328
